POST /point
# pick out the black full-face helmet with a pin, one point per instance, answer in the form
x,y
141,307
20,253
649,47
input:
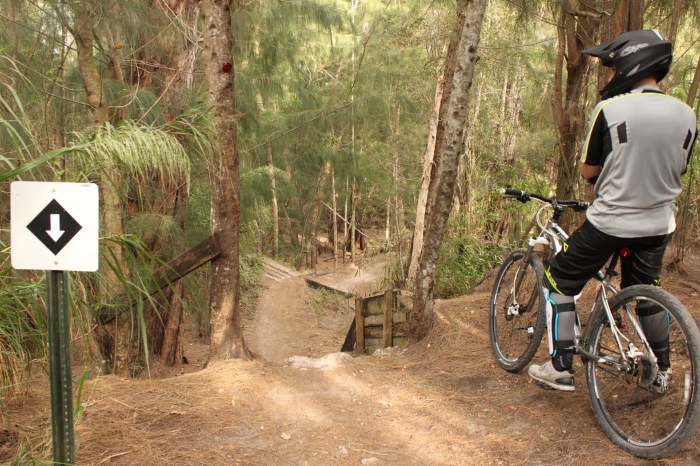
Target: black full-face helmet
x,y
635,55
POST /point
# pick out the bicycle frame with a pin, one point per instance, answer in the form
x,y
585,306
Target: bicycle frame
x,y
645,409
552,237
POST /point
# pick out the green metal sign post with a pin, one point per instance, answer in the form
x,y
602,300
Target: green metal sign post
x,y
59,366
54,227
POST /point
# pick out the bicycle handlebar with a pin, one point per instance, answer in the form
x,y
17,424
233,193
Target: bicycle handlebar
x,y
523,196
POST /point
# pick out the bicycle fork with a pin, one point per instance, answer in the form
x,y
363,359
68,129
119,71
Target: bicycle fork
x,y
514,308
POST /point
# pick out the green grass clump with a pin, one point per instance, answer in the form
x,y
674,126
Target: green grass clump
x,y
463,261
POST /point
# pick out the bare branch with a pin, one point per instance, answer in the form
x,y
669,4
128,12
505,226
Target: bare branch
x,y
588,14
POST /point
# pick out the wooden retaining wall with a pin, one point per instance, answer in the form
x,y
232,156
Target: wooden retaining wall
x,y
381,321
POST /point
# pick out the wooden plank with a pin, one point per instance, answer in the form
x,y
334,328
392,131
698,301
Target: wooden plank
x,y
187,262
374,305
388,317
174,270
373,321
378,332
359,325
318,285
397,318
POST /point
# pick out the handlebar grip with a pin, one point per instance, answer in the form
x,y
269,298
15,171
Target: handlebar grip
x,y
582,206
512,192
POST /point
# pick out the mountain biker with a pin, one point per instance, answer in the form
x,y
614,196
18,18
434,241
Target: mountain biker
x,y
638,145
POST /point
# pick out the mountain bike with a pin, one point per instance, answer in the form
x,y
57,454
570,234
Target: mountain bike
x,y
645,411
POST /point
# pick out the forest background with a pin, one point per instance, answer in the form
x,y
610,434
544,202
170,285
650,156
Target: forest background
x,y
335,104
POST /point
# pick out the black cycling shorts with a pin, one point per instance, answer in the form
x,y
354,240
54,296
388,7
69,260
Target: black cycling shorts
x,y
587,251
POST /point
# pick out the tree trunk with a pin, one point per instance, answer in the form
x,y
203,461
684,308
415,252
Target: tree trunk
x,y
345,214
322,178
167,326
13,16
353,226
683,218
113,42
92,82
693,91
428,157
513,105
468,166
502,122
171,349
459,71
112,37
635,15
397,224
275,209
611,27
335,222
226,336
59,137
122,348
387,222
569,107
182,64
678,8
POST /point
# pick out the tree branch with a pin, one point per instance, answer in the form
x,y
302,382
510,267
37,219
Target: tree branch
x,y
588,14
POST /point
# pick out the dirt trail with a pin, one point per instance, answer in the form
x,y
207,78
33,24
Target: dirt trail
x,y
442,401
292,319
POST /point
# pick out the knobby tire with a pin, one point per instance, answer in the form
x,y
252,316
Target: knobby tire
x,y
516,338
641,421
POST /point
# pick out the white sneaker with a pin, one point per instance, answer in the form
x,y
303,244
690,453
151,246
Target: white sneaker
x,y
663,382
546,374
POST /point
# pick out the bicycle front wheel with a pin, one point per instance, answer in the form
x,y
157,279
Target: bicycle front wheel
x,y
649,415
517,311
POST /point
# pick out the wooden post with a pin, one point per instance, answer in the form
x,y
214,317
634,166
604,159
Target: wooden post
x,y
388,318
359,325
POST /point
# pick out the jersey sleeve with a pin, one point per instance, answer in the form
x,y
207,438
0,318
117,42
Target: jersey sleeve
x,y
594,148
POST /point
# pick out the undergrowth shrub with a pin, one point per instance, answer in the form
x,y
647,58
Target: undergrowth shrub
x,y
463,261
22,331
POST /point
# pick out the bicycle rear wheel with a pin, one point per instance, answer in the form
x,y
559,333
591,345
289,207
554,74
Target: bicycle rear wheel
x,y
517,316
636,409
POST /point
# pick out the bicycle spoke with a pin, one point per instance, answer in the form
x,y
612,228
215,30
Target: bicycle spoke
x,y
516,323
633,407
639,404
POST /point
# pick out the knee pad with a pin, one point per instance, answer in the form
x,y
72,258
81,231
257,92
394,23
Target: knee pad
x,y
561,320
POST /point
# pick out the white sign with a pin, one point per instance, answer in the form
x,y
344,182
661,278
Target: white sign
x,y
54,226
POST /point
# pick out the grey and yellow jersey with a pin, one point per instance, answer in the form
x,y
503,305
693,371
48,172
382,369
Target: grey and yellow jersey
x,y
642,141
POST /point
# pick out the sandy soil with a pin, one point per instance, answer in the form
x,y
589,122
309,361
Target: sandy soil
x,y
443,401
